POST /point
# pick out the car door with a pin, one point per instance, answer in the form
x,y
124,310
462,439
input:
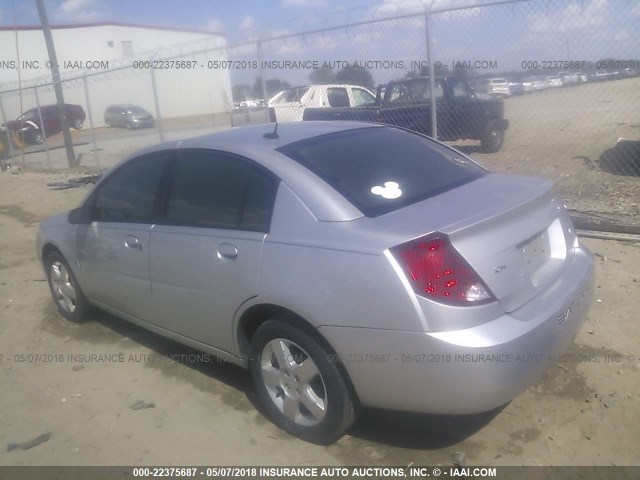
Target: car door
x,y
114,249
461,118
205,253
52,123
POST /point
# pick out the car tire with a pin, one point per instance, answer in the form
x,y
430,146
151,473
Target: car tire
x,y
492,138
37,138
107,123
312,400
77,124
64,287
129,126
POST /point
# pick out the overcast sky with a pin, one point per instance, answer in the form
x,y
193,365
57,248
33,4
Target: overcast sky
x,y
509,34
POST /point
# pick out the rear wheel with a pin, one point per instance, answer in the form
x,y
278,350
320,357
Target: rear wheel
x,y
66,293
77,124
492,138
129,125
37,138
298,383
108,123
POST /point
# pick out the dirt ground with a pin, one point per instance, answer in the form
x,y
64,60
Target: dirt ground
x,y
584,137
584,412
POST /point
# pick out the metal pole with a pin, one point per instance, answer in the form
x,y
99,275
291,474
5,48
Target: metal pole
x,y
157,103
46,140
432,79
55,73
4,121
264,85
93,130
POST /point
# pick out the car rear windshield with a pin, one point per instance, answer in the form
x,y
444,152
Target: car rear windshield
x,y
382,169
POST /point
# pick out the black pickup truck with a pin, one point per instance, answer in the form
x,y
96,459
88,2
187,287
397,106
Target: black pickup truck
x,y
461,113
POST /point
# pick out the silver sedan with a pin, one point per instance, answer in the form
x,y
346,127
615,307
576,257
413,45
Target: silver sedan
x,y
344,264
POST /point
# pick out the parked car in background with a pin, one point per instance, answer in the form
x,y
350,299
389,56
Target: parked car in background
x,y
289,105
527,84
553,81
462,113
498,87
516,87
128,116
330,259
569,78
32,130
539,83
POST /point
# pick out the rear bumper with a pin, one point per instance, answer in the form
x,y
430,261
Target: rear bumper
x,y
471,370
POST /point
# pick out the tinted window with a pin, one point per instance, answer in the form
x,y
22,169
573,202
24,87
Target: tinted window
x,y
383,169
459,89
338,97
129,194
219,190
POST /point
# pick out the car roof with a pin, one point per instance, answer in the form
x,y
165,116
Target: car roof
x,y
252,137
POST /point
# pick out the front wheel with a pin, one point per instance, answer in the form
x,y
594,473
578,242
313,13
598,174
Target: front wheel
x,y
299,384
69,299
492,138
77,124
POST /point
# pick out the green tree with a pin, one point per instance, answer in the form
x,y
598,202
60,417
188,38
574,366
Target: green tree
x,y
356,76
322,76
272,85
241,93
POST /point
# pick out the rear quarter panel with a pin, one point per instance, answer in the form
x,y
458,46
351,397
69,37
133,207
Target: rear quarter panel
x,y
329,275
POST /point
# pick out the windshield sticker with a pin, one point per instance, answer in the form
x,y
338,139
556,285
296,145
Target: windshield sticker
x,y
391,190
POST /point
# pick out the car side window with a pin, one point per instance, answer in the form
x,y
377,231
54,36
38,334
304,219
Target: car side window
x,y
459,89
362,97
338,97
219,190
129,194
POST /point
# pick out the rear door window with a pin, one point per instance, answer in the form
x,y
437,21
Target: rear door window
x,y
382,169
219,190
338,97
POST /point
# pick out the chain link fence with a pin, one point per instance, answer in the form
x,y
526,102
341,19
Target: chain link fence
x,y
549,88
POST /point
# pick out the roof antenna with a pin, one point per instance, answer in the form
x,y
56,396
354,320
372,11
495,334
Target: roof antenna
x,y
272,135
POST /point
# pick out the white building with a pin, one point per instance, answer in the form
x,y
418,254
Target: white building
x,y
186,77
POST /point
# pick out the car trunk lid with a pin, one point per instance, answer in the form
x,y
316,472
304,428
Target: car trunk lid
x,y
512,230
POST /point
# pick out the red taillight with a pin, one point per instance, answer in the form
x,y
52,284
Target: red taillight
x,y
436,270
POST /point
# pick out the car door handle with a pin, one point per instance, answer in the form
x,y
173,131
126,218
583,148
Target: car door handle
x,y
227,251
132,242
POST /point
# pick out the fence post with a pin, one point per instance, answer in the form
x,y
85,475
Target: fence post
x,y
262,82
93,130
156,101
46,140
4,121
432,80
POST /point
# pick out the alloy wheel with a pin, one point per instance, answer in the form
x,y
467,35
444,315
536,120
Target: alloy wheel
x,y
294,382
63,287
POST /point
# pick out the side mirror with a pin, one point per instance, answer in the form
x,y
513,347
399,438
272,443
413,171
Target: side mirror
x,y
81,216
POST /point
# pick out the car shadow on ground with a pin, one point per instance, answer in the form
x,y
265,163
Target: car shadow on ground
x,y
396,429
622,159
417,430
